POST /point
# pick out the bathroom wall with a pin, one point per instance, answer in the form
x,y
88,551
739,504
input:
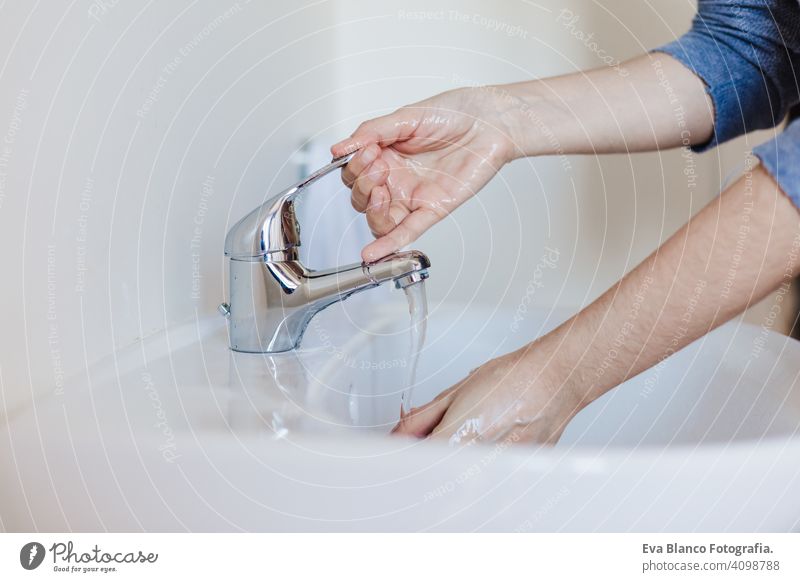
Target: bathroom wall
x,y
134,134
139,132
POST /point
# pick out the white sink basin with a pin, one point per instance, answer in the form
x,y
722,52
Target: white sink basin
x,y
179,433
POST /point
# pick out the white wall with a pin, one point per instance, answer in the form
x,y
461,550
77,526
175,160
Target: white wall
x,y
124,166
115,143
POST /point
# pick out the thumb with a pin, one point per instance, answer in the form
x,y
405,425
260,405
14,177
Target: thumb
x,y
384,131
410,229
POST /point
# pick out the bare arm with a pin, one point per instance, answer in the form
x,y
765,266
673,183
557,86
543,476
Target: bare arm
x,y
731,254
650,102
421,162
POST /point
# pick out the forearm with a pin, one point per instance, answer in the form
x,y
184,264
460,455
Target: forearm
x,y
729,256
654,103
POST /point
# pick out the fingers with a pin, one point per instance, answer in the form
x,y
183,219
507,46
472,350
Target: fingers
x,y
379,218
383,131
364,136
376,174
421,421
360,162
408,230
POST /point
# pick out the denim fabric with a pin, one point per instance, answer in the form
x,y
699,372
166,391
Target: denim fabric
x,y
781,158
748,54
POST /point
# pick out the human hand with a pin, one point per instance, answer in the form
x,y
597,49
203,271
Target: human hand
x,y
508,398
421,162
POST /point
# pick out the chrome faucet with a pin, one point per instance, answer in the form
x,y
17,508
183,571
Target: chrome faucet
x,y
273,296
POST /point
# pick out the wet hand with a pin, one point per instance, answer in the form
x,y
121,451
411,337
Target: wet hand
x,y
421,162
507,399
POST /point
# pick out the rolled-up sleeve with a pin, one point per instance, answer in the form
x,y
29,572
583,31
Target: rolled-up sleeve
x,y
746,52
781,158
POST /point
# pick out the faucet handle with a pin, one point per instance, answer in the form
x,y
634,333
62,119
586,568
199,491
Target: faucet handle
x,y
272,228
334,164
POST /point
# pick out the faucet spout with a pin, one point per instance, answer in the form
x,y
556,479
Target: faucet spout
x,y
404,268
272,303
332,285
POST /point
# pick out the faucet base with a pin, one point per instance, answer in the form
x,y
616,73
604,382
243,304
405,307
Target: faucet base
x,y
256,319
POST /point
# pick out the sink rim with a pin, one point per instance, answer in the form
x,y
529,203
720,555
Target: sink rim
x,y
165,342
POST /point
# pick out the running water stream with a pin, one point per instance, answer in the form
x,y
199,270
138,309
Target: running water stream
x,y
418,310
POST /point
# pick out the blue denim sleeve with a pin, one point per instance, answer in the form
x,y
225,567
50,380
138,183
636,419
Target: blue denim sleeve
x,y
781,158
746,52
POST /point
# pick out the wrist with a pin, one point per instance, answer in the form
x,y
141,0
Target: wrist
x,y
524,111
548,365
501,111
